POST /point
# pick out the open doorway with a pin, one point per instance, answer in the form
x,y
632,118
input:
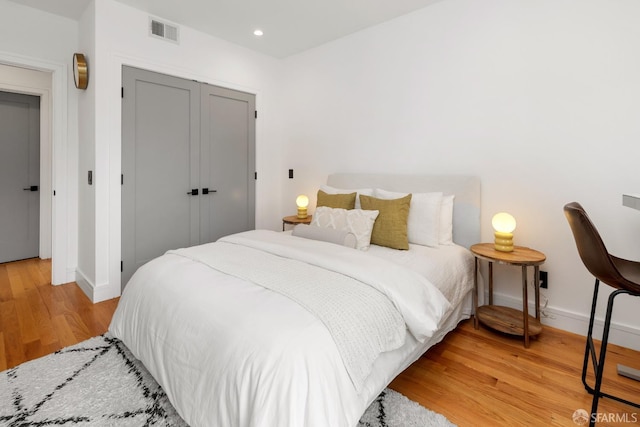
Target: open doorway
x,y
25,143
57,195
19,176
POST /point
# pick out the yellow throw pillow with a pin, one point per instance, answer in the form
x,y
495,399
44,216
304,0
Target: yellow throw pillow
x,y
336,201
390,228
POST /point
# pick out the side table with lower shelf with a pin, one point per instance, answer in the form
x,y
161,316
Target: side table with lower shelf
x,y
506,319
294,220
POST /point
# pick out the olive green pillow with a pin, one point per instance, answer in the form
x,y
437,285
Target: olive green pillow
x,y
336,201
390,228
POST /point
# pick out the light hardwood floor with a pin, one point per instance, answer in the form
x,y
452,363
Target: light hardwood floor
x,y
37,318
474,377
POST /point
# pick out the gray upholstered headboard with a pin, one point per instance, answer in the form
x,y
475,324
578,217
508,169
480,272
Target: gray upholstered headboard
x,y
466,207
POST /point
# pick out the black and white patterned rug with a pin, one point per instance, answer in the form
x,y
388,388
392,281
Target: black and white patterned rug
x,y
99,383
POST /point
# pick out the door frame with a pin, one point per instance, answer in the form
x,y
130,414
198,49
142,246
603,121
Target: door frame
x,y
53,162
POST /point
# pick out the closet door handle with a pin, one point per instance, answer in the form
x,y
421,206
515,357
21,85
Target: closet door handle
x,y
32,188
193,192
207,191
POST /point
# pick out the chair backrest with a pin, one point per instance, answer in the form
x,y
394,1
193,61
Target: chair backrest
x,y
591,248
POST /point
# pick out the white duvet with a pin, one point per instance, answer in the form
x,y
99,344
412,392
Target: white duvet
x,y
229,352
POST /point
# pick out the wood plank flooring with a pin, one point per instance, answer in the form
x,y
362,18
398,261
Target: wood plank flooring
x,y
474,377
37,319
483,378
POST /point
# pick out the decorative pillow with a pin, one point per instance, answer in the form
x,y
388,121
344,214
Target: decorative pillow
x,y
390,228
339,237
338,201
332,190
446,220
356,221
423,224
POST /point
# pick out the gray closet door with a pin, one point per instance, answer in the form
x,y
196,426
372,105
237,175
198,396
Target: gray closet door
x,y
188,162
19,176
228,162
160,166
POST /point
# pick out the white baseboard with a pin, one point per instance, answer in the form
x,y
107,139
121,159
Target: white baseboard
x,y
577,323
85,284
105,292
71,275
96,293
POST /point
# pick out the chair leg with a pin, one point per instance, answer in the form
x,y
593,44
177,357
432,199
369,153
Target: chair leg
x,y
589,346
590,353
598,363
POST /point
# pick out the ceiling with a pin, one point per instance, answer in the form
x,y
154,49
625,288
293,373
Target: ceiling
x,y
289,26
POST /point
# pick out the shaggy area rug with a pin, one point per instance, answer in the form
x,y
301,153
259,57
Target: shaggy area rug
x,y
99,383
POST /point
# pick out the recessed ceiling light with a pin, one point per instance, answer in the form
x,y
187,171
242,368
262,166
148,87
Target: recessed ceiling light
x,y
258,33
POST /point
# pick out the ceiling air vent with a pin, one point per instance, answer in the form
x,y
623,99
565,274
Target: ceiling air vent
x,y
163,30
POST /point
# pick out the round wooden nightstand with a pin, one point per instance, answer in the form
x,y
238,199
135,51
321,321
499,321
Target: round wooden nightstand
x,y
506,319
294,220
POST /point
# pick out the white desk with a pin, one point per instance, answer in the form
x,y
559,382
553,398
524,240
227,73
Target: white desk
x,y
631,201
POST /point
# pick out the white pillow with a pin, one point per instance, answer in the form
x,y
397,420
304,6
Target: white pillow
x,y
356,221
446,220
339,237
332,190
423,224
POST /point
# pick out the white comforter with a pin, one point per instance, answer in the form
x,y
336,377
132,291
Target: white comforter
x,y
229,352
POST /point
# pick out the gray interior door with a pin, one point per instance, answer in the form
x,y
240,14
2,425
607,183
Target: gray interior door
x,y
19,176
160,166
227,162
188,163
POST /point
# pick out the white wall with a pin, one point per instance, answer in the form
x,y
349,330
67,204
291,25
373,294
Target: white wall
x,y
538,98
86,271
120,36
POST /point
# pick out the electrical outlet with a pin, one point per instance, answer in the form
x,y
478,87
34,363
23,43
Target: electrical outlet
x,y
544,277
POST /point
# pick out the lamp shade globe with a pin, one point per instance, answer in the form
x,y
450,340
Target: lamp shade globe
x,y
302,202
503,224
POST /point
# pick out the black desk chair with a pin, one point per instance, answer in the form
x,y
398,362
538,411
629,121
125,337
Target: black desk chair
x,y
621,274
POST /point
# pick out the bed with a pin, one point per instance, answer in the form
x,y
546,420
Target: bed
x,y
266,328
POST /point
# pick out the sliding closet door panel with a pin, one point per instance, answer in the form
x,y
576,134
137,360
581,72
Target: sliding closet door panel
x,y
160,164
228,162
